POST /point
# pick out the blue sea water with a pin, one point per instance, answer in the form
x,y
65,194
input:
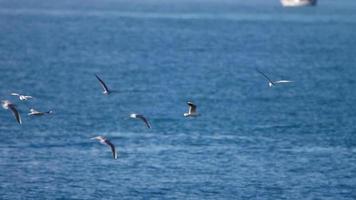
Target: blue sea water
x,y
295,141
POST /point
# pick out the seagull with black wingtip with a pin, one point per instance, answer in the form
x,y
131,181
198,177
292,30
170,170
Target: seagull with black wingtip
x,y
103,85
104,140
273,83
6,104
34,112
141,117
22,97
192,112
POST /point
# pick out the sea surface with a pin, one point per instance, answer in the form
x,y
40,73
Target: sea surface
x,y
293,141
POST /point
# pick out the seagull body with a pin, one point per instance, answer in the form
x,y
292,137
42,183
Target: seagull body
x,y
273,83
6,104
192,112
105,141
103,85
38,113
138,116
22,97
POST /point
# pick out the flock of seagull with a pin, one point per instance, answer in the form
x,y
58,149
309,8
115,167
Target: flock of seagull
x,y
192,111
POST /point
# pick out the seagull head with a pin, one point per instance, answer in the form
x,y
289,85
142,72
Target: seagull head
x,y
5,104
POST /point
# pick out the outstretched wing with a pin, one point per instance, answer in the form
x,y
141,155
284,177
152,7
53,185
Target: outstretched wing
x,y
103,85
15,113
114,154
28,97
192,107
144,120
15,94
264,75
283,81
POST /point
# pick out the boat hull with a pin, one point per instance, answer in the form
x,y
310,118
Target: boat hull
x,y
295,3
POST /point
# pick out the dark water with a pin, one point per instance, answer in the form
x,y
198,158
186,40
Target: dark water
x,y
296,141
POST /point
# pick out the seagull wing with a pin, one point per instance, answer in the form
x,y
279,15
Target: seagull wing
x,y
264,75
192,107
114,154
283,81
144,120
99,138
15,113
15,94
103,85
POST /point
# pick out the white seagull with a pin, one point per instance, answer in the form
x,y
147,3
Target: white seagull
x,y
273,83
105,141
192,110
6,104
38,113
22,97
138,116
103,85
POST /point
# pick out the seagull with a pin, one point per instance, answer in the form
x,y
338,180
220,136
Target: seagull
x,y
22,97
6,104
138,116
192,110
38,113
105,141
103,85
273,83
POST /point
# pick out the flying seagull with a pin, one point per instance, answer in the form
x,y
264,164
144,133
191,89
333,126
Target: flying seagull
x,y
138,116
22,97
192,110
105,141
6,104
103,85
273,83
38,113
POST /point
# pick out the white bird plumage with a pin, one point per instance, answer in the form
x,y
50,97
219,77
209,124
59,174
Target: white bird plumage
x,y
144,119
104,140
38,113
22,97
6,104
192,112
273,83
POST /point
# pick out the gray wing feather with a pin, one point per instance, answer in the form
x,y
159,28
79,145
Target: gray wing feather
x,y
15,113
192,107
144,120
103,85
264,75
113,150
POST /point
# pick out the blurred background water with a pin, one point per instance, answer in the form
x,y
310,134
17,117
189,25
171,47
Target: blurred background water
x,y
294,141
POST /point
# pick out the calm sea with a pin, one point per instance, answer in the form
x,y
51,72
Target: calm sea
x,y
293,141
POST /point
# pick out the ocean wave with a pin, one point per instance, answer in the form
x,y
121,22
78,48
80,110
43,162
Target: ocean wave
x,y
278,17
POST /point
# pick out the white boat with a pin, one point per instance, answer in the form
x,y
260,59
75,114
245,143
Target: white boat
x,y
292,3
